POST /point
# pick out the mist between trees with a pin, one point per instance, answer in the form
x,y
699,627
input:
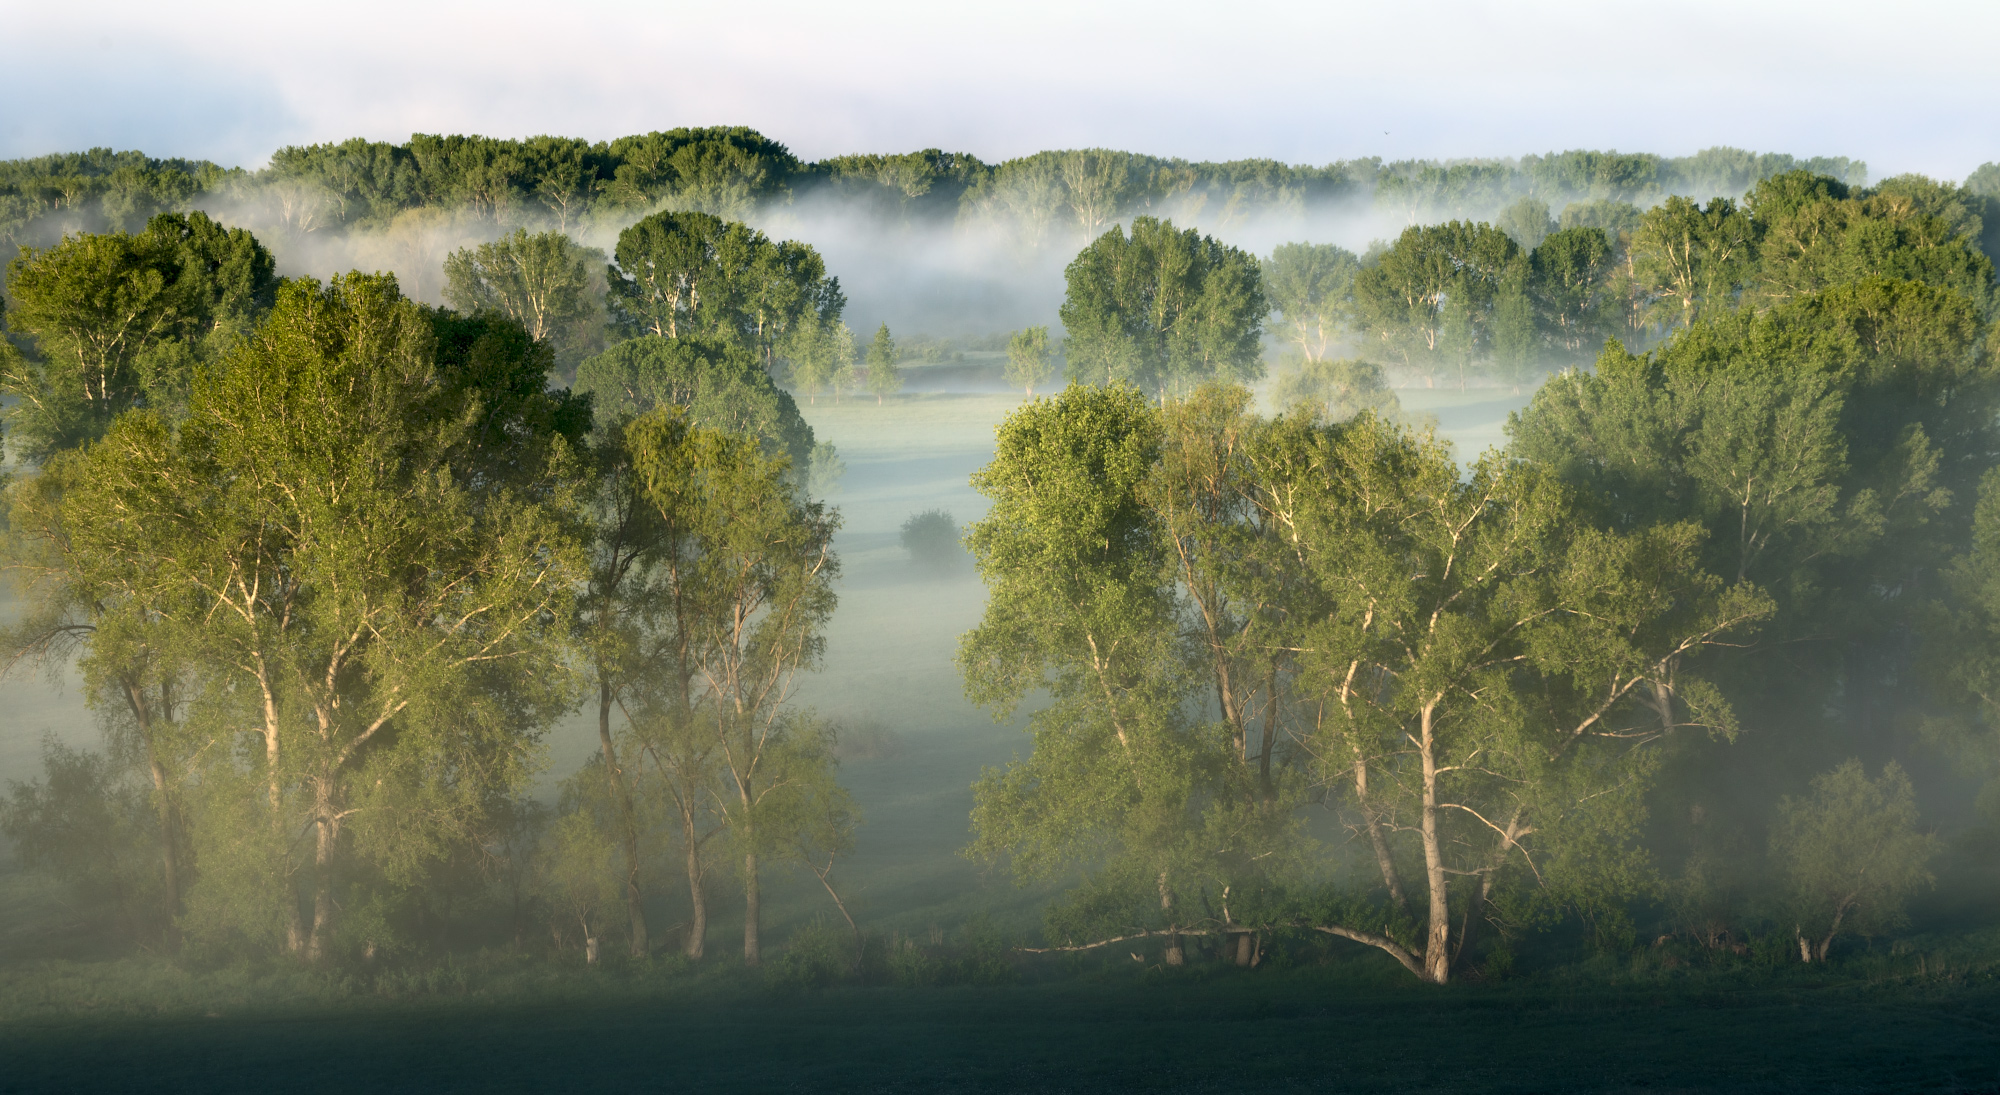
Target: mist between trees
x,y
1668,671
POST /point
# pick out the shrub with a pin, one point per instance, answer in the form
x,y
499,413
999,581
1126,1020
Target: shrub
x,y
931,538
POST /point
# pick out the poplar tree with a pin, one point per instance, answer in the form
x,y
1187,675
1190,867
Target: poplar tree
x,y
884,378
1028,359
375,591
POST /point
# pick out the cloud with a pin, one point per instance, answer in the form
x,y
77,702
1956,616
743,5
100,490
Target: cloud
x,y
1295,81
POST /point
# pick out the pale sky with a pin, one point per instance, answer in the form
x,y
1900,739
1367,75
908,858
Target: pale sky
x,y
1908,87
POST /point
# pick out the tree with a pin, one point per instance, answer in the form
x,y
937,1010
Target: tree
x,y
1814,233
1849,853
120,321
694,275
1429,298
1095,181
1312,288
1219,606
721,385
1028,359
373,585
931,538
1570,290
544,281
1081,605
1163,309
884,379
1335,390
135,671
1482,671
748,570
1527,222
1690,259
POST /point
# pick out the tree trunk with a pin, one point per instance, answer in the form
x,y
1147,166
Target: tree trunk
x,y
322,917
142,716
1437,948
752,910
628,822
1246,949
169,825
697,937
1383,860
274,789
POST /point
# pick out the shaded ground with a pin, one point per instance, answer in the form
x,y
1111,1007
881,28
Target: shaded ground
x,y
1252,1033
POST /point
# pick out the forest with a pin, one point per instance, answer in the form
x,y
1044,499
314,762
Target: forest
x,y
496,570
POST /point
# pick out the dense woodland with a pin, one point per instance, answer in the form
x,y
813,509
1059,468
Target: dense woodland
x,y
332,561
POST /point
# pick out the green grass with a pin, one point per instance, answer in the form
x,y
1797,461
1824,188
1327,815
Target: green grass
x,y
1348,1027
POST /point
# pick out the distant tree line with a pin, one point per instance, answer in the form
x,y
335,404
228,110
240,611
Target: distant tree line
x,y
732,172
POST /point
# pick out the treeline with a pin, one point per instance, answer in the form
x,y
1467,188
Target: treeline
x,y
331,563
1532,292
734,172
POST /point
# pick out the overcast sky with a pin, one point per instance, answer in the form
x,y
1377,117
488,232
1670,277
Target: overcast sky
x,y
1908,87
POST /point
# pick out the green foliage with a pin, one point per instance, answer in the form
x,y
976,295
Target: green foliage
x,y
746,579
1028,359
394,646
1311,286
1428,300
693,275
88,823
121,321
1849,854
1335,390
720,384
931,538
1162,309
1527,222
820,356
543,281
823,470
884,379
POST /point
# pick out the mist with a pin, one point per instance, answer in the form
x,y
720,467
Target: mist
x,y
1053,707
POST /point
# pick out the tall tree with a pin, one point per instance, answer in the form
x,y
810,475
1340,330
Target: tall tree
x,y
1028,360
544,281
119,321
372,580
1572,267
1482,669
1691,259
1312,288
884,378
1163,309
1429,298
749,571
684,275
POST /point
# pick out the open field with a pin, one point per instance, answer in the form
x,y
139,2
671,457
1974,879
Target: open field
x,y
1320,1030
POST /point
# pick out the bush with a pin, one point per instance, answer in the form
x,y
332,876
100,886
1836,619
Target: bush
x,y
931,538
819,954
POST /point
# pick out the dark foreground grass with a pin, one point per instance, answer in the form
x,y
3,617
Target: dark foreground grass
x,y
1214,1030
